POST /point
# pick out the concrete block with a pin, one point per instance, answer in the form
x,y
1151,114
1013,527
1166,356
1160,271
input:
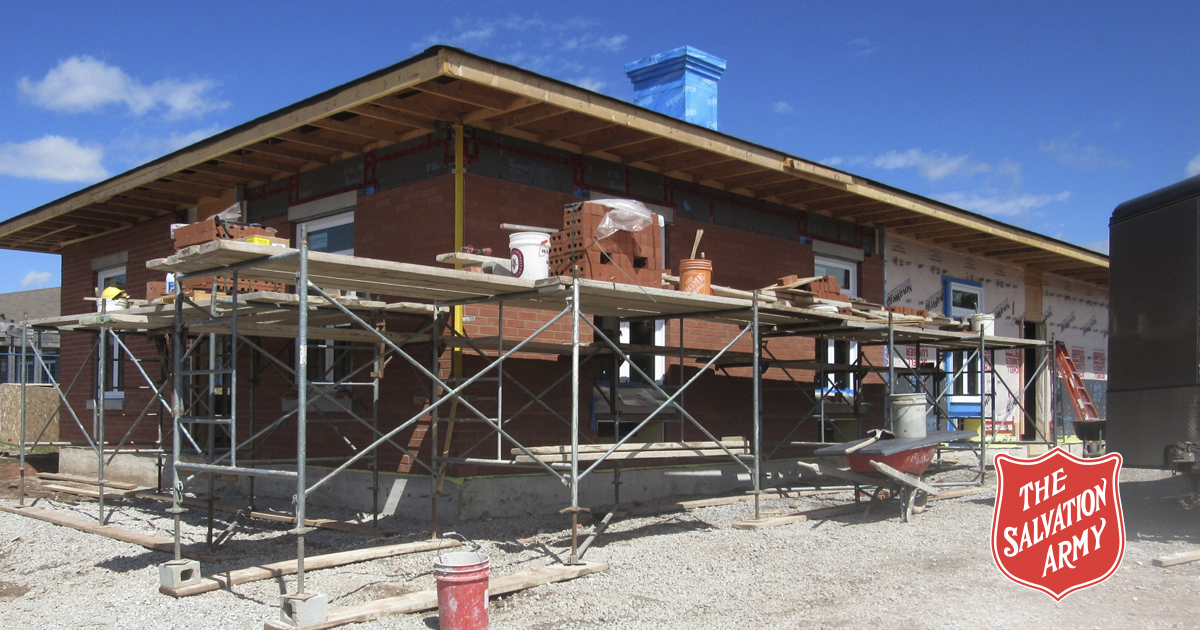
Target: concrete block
x,y
303,609
179,573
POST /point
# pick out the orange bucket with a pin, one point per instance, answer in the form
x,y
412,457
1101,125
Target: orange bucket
x,y
695,276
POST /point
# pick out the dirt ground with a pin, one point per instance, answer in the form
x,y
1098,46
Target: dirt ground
x,y
680,570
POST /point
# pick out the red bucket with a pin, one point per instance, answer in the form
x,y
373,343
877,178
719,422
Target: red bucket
x,y
462,590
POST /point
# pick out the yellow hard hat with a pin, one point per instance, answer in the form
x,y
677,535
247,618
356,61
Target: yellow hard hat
x,y
112,293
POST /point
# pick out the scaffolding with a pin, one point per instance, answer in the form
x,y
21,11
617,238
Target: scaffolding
x,y
208,339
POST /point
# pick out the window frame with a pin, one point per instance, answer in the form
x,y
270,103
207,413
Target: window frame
x,y
964,389
113,389
840,382
329,222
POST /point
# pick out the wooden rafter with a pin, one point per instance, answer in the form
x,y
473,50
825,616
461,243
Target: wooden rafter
x,y
232,174
756,181
274,166
200,191
290,153
668,149
169,196
616,139
378,112
572,130
469,93
527,115
313,139
884,214
360,128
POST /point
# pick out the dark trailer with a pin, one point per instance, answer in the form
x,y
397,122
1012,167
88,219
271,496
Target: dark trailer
x,y
1154,335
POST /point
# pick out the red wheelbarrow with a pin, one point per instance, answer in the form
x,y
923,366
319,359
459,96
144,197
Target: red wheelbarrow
x,y
886,461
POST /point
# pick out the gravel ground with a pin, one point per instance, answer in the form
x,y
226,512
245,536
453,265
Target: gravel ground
x,y
682,570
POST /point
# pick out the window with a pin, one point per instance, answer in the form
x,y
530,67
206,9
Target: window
x,y
110,277
332,234
636,397
329,361
846,272
839,352
114,356
963,298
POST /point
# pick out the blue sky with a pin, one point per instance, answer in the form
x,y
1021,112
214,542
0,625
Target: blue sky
x,y
1044,115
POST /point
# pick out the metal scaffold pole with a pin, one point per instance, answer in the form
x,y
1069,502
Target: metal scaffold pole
x,y
24,386
575,422
301,407
177,344
98,414
757,418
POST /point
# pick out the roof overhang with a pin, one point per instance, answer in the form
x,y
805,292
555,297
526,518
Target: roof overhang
x,y
441,85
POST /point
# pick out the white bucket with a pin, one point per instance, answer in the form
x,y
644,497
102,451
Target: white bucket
x,y
985,322
908,415
530,254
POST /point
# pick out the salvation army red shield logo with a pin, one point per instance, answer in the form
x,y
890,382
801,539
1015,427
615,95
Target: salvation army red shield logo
x,y
1058,525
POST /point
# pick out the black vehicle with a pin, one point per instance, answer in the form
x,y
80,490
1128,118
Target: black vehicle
x,y
1154,331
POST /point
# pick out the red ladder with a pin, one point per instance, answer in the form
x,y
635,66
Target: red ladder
x,y
1084,409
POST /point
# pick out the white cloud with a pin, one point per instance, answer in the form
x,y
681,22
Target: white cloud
x,y
1086,158
1193,167
54,158
36,279
504,38
931,166
782,108
1002,205
1097,246
862,47
83,83
136,149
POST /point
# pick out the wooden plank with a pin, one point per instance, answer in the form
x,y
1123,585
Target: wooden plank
x,y
222,506
634,446
86,492
1176,558
798,517
904,478
954,493
229,579
427,600
108,531
92,481
673,454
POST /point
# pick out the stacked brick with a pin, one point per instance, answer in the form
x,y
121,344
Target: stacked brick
x,y
624,257
210,230
827,288
908,310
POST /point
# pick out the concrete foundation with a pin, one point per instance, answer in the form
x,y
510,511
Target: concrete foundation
x,y
464,498
129,467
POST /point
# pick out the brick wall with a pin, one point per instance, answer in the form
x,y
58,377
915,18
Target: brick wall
x,y
413,224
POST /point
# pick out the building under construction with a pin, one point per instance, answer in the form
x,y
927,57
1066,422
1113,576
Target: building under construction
x,y
310,307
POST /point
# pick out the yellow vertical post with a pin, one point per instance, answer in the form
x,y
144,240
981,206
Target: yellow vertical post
x,y
460,191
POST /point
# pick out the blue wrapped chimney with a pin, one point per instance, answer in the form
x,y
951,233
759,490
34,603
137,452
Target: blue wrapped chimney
x,y
680,83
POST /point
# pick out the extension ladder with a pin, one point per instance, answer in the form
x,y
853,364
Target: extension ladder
x,y
1085,411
